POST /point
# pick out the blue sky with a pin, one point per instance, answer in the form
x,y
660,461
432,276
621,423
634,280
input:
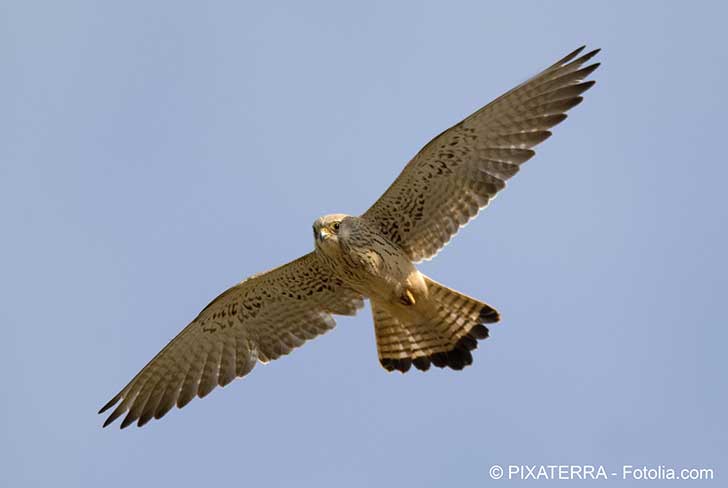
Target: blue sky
x,y
155,153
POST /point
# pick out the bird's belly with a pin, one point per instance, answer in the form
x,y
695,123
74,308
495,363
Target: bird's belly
x,y
381,277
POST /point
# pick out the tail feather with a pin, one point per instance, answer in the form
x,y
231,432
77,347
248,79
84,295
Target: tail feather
x,y
444,335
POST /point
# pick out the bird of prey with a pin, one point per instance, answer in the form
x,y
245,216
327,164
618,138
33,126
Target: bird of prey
x,y
417,321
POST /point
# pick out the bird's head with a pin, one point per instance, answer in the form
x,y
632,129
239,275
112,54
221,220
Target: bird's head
x,y
327,230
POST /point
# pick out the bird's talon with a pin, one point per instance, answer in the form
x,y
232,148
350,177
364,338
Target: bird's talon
x,y
407,298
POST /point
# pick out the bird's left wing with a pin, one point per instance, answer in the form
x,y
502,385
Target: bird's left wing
x,y
260,319
460,171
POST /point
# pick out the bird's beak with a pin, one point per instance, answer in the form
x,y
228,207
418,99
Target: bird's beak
x,y
323,234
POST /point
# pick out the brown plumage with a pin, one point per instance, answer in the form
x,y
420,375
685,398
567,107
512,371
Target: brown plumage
x,y
418,322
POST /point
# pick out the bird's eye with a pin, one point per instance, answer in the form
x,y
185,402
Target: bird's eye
x,y
336,226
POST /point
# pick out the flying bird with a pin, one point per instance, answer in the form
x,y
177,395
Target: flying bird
x,y
417,321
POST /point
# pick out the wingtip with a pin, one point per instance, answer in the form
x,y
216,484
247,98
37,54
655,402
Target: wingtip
x,y
569,56
587,70
577,50
114,415
583,59
128,420
109,404
143,421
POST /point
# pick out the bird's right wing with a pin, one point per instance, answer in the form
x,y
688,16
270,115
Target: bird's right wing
x,y
260,319
461,170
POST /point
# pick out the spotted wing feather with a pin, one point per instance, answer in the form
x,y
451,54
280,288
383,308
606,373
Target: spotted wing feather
x,y
258,320
457,173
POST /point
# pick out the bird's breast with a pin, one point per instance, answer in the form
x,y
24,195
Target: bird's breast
x,y
374,267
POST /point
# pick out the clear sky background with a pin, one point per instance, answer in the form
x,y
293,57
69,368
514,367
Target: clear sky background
x,y
154,153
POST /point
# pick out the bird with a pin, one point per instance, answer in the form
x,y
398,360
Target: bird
x,y
418,322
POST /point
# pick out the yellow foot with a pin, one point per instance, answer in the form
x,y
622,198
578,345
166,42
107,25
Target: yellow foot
x,y
407,298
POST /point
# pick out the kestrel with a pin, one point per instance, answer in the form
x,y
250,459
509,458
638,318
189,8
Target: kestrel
x,y
417,321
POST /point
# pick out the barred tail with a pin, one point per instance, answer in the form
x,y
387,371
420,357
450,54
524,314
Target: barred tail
x,y
450,329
